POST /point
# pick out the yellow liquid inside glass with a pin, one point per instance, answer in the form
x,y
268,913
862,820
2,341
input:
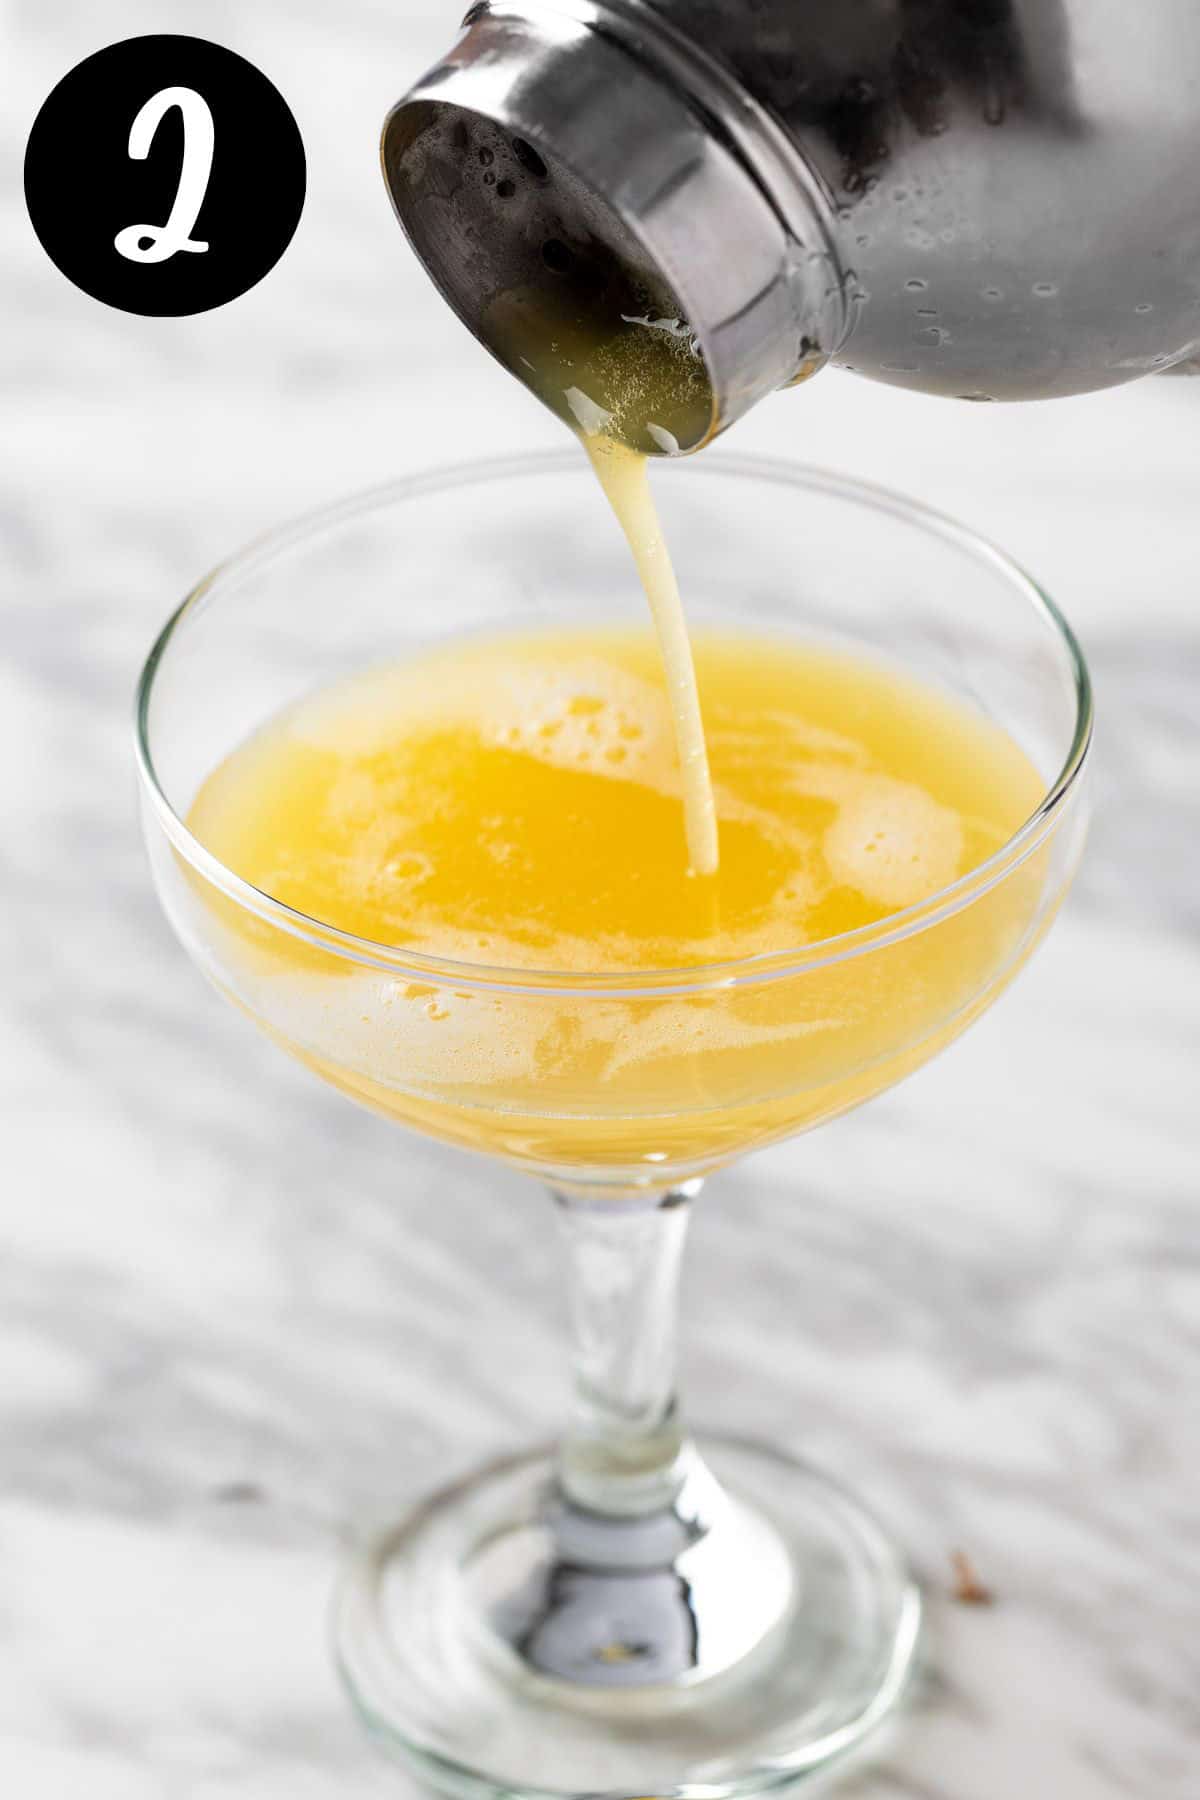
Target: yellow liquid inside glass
x,y
518,802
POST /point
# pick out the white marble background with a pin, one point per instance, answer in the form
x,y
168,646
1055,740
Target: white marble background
x,y
239,1317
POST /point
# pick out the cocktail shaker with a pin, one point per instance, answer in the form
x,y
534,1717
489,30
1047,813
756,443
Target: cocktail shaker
x,y
985,199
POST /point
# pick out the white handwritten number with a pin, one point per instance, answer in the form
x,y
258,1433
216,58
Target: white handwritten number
x,y
156,243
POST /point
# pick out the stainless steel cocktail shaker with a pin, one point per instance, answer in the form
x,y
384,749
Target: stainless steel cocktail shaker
x,y
988,199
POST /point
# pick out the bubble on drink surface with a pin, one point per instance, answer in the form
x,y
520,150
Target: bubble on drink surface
x,y
409,868
893,842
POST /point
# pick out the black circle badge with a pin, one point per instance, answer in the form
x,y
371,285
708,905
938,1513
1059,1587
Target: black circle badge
x,y
165,176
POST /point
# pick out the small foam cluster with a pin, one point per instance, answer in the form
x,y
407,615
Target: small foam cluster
x,y
586,714
892,842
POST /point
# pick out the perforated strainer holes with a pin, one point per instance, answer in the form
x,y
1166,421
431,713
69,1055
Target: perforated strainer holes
x,y
529,159
556,256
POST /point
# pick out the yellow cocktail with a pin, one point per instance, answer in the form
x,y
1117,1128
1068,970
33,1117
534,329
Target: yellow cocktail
x,y
516,802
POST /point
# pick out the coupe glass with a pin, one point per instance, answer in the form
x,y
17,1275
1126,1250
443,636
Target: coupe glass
x,y
636,1612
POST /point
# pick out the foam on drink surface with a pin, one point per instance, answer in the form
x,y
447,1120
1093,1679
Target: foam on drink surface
x,y
518,801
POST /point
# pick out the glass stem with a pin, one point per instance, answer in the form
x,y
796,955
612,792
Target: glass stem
x,y
625,1453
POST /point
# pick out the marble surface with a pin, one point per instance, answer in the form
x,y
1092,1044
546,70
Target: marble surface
x,y
240,1318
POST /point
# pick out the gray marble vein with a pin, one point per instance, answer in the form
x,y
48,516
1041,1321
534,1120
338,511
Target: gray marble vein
x,y
240,1320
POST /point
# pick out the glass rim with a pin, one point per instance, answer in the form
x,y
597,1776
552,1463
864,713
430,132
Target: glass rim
x,y
745,971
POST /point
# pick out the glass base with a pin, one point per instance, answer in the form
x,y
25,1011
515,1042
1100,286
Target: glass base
x,y
500,1639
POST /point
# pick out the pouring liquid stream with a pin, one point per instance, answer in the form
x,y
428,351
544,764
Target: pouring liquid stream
x,y
624,475
622,390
